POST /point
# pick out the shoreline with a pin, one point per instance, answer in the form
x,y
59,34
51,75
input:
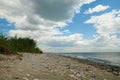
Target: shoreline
x,y
53,67
104,65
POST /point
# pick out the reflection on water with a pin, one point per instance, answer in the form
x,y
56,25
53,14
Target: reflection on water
x,y
111,56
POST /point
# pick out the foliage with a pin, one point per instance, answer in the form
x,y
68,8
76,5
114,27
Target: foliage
x,y
14,45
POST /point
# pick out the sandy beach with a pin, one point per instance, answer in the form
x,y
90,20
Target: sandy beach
x,y
49,67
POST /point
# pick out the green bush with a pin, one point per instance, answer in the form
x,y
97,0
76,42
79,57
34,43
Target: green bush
x,y
14,45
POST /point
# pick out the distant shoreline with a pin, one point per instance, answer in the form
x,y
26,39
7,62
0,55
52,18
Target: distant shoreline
x,y
105,65
99,57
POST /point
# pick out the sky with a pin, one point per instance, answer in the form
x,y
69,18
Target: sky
x,y
64,25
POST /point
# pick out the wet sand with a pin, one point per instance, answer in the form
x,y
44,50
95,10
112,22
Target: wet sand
x,y
50,67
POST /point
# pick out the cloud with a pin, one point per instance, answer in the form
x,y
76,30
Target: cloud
x,y
65,41
98,8
108,30
43,23
57,10
34,14
107,23
42,20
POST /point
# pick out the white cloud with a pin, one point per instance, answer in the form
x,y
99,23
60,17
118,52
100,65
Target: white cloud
x,y
41,20
66,31
108,30
64,41
106,24
42,23
31,14
98,8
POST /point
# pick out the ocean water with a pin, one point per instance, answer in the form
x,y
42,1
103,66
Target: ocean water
x,y
113,57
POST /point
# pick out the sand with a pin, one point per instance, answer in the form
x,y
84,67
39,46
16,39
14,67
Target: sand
x,y
49,67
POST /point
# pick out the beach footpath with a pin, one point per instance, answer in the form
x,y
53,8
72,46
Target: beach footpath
x,y
28,66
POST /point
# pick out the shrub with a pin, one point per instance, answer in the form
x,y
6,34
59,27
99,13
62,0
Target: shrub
x,y
14,45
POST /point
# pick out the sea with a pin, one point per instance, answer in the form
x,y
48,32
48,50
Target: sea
x,y
108,57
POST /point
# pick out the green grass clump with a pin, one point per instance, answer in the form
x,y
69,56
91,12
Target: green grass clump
x,y
13,45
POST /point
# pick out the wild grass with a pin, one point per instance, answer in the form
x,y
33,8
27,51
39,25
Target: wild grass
x,y
13,45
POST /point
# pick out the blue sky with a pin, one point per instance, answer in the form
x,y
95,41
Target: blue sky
x,y
65,25
5,26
